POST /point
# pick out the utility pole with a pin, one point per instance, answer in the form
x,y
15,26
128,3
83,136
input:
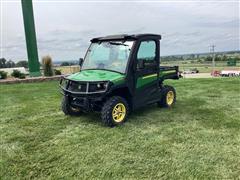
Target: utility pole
x,y
212,48
30,35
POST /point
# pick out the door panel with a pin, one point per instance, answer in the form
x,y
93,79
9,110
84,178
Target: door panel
x,y
146,77
144,80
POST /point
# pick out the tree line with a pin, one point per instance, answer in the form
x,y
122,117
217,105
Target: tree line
x,y
206,58
11,64
222,58
23,63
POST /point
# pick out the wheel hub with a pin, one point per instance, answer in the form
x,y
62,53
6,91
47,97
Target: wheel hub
x,y
170,97
119,112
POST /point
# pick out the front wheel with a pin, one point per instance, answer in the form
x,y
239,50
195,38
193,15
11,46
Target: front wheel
x,y
68,109
168,97
114,111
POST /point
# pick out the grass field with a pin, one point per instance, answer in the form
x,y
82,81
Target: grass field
x,y
197,139
202,67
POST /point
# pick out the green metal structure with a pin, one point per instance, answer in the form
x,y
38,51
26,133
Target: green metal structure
x,y
30,34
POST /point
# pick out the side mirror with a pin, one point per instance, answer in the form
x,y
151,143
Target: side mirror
x,y
140,64
80,62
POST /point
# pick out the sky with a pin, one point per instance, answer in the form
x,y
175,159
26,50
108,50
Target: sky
x,y
64,28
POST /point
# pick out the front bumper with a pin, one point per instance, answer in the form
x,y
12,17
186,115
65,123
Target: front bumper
x,y
87,101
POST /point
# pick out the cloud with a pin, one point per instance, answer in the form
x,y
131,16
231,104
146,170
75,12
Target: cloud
x,y
232,24
65,29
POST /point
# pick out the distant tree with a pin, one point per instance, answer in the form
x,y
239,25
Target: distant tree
x,y
218,58
192,56
237,58
3,63
208,58
66,64
6,64
10,64
224,58
22,64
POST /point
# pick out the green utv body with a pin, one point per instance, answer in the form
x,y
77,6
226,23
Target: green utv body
x,y
118,75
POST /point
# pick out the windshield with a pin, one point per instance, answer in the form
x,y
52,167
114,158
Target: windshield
x,y
110,55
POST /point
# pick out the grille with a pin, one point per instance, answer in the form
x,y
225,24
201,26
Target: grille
x,y
92,87
78,86
87,87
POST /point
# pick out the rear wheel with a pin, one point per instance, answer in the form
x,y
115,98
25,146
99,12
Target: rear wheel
x,y
114,111
68,109
168,97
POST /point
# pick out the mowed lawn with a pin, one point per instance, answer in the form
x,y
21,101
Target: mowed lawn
x,y
198,138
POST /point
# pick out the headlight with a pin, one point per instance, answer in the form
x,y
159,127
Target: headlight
x,y
96,87
99,85
77,86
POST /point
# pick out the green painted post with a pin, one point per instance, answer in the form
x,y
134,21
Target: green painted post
x,y
30,35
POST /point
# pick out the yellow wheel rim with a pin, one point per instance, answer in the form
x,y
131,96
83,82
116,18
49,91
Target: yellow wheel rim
x,y
170,97
119,112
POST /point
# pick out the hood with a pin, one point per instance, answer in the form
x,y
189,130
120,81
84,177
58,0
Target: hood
x,y
96,75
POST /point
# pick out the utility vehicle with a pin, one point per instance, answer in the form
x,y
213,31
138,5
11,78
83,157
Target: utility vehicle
x,y
119,74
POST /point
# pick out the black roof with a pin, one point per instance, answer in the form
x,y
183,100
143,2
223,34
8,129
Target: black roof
x,y
125,37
